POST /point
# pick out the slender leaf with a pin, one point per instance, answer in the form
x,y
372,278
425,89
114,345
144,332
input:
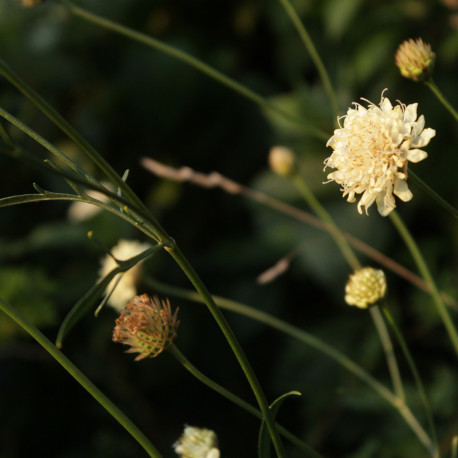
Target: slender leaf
x,y
264,440
84,305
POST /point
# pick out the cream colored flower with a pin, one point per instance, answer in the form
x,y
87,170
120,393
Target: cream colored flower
x,y
197,443
126,287
365,287
371,151
147,325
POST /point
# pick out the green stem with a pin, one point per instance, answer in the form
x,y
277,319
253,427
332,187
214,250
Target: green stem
x,y
195,63
91,152
321,212
354,263
310,47
236,400
435,453
312,341
233,342
160,235
389,352
424,271
108,405
430,83
433,194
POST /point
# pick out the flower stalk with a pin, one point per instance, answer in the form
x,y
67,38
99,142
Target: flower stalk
x,y
84,381
189,271
424,271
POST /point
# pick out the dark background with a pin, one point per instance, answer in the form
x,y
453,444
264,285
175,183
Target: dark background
x,y
130,101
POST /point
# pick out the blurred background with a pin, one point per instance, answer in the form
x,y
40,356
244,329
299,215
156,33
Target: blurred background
x,y
130,101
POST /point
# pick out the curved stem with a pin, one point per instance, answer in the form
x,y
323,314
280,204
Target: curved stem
x,y
321,212
236,400
160,235
195,63
91,152
354,263
424,271
312,341
430,83
417,378
233,342
103,400
389,352
310,47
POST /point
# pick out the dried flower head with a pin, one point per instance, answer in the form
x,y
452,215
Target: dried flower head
x,y
126,286
415,59
365,287
282,160
371,151
147,325
197,443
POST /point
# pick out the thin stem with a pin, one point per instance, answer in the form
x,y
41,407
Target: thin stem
x,y
419,383
310,47
389,352
433,194
432,85
91,152
214,179
321,212
160,235
195,63
312,341
233,342
236,400
354,263
424,271
103,400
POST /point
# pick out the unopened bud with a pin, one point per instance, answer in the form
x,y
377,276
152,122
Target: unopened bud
x,y
282,160
365,287
415,59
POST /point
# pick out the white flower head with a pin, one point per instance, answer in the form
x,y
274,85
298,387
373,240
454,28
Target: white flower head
x,y
197,443
126,287
372,149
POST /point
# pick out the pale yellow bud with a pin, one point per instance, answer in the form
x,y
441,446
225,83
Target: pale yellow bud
x,y
282,160
415,59
365,287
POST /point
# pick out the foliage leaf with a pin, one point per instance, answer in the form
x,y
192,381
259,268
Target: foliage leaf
x,y
84,305
264,436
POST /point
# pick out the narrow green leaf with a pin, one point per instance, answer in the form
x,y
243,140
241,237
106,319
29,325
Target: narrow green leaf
x,y
31,198
84,305
89,300
264,440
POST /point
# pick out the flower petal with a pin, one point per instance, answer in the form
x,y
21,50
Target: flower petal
x,y
385,203
424,138
416,155
410,113
402,190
